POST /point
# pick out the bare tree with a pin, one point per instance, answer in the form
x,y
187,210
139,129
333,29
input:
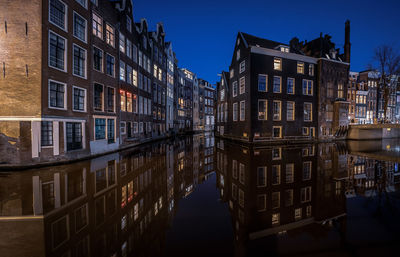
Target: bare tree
x,y
388,65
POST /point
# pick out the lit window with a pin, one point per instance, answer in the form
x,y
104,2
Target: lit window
x,y
97,26
110,36
123,100
277,132
122,70
237,54
290,111
300,67
262,109
308,112
307,87
121,42
277,109
275,219
277,64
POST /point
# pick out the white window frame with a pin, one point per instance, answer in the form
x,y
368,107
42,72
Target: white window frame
x,y
293,118
65,95
234,85
244,111
103,61
235,108
73,73
102,98
242,66
65,17
311,114
266,82
280,110
73,99
280,86
85,4
280,131
242,79
280,63
294,85
65,52
73,27
266,109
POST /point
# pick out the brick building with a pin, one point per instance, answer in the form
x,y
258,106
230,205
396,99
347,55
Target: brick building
x,y
275,90
90,79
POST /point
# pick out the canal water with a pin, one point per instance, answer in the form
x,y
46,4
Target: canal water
x,y
203,196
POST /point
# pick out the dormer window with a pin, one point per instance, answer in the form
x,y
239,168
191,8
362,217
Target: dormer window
x,y
284,49
238,55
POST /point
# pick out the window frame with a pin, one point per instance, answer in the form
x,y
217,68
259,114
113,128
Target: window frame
x,y
266,82
73,99
73,27
293,118
240,85
244,110
65,52
73,61
266,109
65,95
280,85
65,17
280,63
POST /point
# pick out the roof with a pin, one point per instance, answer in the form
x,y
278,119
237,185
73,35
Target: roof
x,y
261,42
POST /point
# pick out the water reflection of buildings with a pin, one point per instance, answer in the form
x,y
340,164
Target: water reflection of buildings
x,y
110,206
272,192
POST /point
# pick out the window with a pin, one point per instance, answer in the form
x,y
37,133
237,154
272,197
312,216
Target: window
x,y
311,69
242,110
79,27
262,83
57,95
306,131
262,109
242,67
277,64
74,135
305,194
261,202
277,132
300,67
110,65
110,35
276,174
307,170
128,24
277,84
290,111
129,74
128,48
231,73
60,231
79,61
97,59
134,78
46,133
241,173
121,42
277,108
81,218
97,26
122,70
290,86
261,176
128,102
307,87
94,2
289,176
79,99
111,131
57,13
100,129
238,55
235,111
57,51
329,89
98,97
275,219
110,99
234,88
340,91
123,100
276,200
307,111
288,197
242,85
134,53
276,153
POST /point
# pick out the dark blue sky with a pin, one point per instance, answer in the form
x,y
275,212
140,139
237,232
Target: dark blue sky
x,y
203,32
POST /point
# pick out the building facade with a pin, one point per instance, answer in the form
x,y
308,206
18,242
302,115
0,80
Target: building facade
x,y
207,102
275,90
93,80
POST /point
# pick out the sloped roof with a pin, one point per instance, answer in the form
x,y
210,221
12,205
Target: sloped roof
x,y
261,42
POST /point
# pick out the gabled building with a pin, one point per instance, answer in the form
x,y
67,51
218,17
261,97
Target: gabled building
x,y
275,90
223,117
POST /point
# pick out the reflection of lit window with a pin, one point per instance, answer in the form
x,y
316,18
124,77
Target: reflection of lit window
x,y
275,219
297,213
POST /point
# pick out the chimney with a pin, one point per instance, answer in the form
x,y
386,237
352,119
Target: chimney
x,y
347,44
